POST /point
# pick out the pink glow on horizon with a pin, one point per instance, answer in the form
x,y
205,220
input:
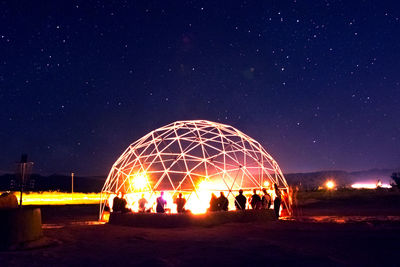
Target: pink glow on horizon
x,y
369,186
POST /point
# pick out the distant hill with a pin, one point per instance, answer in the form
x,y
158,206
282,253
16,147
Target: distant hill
x,y
342,178
54,182
95,183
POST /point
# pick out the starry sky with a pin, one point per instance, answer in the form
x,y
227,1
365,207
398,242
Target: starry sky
x,y
317,83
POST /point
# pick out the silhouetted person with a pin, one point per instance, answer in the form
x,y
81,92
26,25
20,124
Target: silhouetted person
x,y
223,202
266,200
240,201
116,204
123,204
161,202
285,199
295,203
213,203
107,207
142,204
277,201
255,200
180,203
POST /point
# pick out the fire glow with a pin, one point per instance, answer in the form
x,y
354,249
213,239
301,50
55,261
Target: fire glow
x,y
59,198
138,182
198,201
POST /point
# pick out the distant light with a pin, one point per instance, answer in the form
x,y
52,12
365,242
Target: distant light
x,y
369,186
330,184
266,184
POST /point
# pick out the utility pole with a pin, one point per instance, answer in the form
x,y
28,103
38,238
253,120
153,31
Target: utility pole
x,y
72,182
23,174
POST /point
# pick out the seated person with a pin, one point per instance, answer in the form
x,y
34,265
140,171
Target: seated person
x,y
142,204
124,204
161,202
240,201
180,203
213,203
116,204
223,202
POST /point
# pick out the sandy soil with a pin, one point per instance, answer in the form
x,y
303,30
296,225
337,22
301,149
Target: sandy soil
x,y
371,240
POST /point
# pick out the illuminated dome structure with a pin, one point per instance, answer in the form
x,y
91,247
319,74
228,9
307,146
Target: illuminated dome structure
x,y
195,158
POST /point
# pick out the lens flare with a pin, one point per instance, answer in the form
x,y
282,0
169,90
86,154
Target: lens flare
x,y
138,182
330,184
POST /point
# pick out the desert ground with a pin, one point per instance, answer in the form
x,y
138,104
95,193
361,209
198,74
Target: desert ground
x,y
328,229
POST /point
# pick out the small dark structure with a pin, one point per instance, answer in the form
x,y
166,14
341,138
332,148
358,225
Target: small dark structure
x,y
18,226
23,173
154,220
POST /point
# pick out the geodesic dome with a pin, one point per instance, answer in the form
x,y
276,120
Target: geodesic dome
x,y
194,158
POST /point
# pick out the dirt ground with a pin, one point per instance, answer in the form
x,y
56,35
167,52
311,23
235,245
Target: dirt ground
x,y
334,231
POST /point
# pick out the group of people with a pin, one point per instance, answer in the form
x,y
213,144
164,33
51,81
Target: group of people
x,y
256,201
180,202
120,204
220,203
161,204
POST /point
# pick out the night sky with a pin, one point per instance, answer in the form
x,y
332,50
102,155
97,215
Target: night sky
x,y
317,83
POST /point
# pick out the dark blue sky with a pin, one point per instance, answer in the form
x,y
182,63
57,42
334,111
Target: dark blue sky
x,y
316,82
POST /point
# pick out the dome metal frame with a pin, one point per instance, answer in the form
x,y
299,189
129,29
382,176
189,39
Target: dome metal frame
x,y
179,156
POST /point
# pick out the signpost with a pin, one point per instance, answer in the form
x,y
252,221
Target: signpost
x,y
24,170
72,182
